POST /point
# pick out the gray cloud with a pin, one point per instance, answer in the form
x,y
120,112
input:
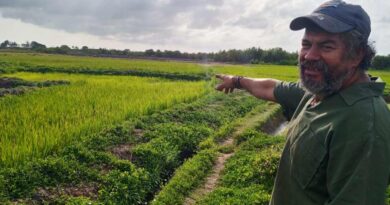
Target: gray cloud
x,y
135,19
208,23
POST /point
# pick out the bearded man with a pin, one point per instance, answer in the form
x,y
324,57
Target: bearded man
x,y
338,143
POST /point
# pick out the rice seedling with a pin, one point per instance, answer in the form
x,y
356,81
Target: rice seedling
x,y
38,122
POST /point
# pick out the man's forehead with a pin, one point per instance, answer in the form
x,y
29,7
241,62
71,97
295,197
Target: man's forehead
x,y
321,36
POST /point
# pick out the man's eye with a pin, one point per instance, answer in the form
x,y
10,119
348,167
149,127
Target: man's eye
x,y
327,47
305,45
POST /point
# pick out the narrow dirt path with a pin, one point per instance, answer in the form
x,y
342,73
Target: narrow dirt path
x,y
211,181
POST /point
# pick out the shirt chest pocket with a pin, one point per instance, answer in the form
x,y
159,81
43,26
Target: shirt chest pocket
x,y
307,155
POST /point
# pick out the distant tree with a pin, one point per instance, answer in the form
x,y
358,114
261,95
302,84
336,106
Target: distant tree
x,y
125,52
250,55
26,45
103,51
13,45
159,53
149,52
36,46
176,54
381,62
4,44
65,47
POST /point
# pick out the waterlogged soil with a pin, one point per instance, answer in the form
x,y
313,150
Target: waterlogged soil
x,y
17,86
387,98
49,194
123,151
275,125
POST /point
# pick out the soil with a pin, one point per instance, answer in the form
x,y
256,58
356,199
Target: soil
x,y
17,86
9,82
139,133
122,151
87,190
43,195
212,180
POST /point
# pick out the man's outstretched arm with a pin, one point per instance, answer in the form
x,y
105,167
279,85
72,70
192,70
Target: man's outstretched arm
x,y
262,88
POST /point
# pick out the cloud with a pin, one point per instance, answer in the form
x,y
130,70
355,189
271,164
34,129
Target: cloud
x,y
192,24
136,19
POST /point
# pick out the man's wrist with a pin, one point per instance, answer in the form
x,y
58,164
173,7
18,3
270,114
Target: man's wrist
x,y
237,82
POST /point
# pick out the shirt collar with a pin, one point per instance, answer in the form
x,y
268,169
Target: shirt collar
x,y
360,91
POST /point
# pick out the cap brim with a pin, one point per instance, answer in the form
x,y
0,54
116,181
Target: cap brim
x,y
327,23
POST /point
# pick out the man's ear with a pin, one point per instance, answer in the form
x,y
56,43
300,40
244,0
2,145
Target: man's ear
x,y
358,58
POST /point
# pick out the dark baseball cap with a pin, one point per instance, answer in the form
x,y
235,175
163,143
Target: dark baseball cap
x,y
336,16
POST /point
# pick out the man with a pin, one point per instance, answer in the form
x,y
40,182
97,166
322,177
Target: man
x,y
338,143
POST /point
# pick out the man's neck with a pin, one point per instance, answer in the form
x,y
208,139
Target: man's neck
x,y
357,77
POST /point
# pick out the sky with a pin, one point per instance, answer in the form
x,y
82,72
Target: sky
x,y
185,25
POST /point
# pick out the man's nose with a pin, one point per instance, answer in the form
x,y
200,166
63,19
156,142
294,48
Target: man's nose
x,y
312,54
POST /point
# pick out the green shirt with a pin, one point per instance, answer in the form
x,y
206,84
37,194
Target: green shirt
x,y
338,151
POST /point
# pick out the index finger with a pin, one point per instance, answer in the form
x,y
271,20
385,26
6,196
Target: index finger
x,y
219,76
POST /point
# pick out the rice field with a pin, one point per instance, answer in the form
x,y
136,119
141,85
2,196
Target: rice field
x,y
38,122
288,73
55,137
34,124
20,61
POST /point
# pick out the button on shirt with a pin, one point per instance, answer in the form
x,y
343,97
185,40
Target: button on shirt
x,y
337,151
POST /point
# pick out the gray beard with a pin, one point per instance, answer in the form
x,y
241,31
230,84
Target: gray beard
x,y
330,83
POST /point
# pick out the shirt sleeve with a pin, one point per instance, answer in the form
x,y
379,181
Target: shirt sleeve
x,y
288,95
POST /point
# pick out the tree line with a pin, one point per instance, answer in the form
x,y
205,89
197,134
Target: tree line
x,y
250,55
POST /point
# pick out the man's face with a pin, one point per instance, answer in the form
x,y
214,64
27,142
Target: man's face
x,y
323,67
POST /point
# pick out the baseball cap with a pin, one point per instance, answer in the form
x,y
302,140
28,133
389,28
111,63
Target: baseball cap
x,y
336,16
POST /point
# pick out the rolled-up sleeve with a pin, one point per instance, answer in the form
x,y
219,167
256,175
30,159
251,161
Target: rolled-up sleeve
x,y
288,95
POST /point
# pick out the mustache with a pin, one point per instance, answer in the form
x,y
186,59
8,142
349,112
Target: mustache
x,y
315,65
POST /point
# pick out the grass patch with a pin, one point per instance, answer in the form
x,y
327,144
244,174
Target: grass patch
x,y
160,143
249,174
34,62
39,122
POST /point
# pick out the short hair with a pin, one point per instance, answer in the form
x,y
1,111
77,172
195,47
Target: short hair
x,y
356,43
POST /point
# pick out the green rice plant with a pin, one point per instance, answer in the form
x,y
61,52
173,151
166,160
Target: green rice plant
x,y
385,76
75,201
247,168
187,177
249,174
175,135
169,137
39,122
19,181
172,135
388,195
288,73
36,62
129,187
255,162
194,170
253,194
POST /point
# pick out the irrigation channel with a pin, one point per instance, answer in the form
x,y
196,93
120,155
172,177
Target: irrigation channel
x,y
274,125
